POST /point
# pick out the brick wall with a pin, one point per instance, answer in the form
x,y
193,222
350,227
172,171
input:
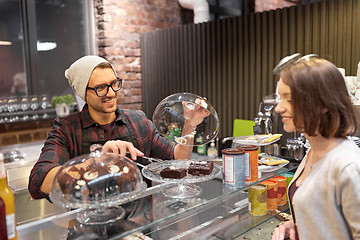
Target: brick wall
x,y
119,24
266,5
24,132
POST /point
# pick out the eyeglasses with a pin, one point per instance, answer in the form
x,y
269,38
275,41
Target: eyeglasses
x,y
102,90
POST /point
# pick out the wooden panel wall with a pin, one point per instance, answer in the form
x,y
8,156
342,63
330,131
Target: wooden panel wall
x,y
230,61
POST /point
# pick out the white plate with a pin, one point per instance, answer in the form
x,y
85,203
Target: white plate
x,y
257,140
265,168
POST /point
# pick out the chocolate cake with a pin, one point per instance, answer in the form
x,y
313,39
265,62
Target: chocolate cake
x,y
172,172
99,182
91,182
201,168
127,177
70,181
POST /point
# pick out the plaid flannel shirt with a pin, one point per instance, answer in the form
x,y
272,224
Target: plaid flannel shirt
x,y
64,142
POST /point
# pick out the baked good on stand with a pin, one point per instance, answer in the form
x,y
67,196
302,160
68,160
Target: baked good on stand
x,y
194,168
91,180
201,168
172,172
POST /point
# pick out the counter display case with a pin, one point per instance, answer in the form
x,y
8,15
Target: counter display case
x,y
217,213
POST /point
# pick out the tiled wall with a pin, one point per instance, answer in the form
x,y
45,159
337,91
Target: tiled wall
x,y
24,132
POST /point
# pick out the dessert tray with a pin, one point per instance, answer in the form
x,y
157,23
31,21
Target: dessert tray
x,y
183,187
257,140
267,159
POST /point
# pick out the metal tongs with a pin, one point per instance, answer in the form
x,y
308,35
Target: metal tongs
x,y
149,159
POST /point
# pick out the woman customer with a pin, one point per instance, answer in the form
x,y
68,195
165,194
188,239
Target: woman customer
x,y
325,191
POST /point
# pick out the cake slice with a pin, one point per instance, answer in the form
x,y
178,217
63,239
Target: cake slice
x,y
201,168
172,172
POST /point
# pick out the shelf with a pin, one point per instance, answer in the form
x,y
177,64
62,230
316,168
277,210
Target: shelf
x,y
168,218
30,115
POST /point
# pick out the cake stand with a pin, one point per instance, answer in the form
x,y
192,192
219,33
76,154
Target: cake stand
x,y
184,187
98,183
97,213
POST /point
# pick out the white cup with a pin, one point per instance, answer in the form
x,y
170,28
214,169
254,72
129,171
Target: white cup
x,y
342,70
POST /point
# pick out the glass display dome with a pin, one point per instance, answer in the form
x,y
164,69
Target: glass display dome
x,y
177,113
99,182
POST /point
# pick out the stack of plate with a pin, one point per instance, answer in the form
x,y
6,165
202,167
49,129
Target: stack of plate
x,y
355,139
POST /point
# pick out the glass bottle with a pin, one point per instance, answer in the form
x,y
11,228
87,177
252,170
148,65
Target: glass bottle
x,y
8,197
3,233
212,151
201,149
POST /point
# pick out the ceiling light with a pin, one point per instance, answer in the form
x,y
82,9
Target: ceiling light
x,y
46,46
5,43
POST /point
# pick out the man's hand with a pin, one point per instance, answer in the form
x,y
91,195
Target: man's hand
x,y
195,114
121,148
46,186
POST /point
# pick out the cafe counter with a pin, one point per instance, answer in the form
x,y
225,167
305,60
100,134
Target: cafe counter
x,y
218,212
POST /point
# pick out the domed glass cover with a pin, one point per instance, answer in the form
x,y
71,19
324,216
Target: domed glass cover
x,y
97,180
178,111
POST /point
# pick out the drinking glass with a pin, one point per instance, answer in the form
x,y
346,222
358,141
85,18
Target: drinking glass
x,y
3,108
45,104
34,105
12,107
25,106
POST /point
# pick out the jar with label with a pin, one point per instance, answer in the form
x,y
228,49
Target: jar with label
x,y
289,176
272,189
233,167
281,189
258,200
251,163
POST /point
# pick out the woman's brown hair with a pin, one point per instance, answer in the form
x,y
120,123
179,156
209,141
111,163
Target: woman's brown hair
x,y
320,99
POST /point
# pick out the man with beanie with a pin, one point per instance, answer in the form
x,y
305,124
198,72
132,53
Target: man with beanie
x,y
100,121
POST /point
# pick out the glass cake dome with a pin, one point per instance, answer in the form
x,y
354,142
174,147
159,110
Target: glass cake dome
x,y
180,110
98,182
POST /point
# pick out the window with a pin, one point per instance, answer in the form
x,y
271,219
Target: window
x,y
220,9
39,39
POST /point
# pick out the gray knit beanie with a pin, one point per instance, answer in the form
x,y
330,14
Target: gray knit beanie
x,y
80,71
